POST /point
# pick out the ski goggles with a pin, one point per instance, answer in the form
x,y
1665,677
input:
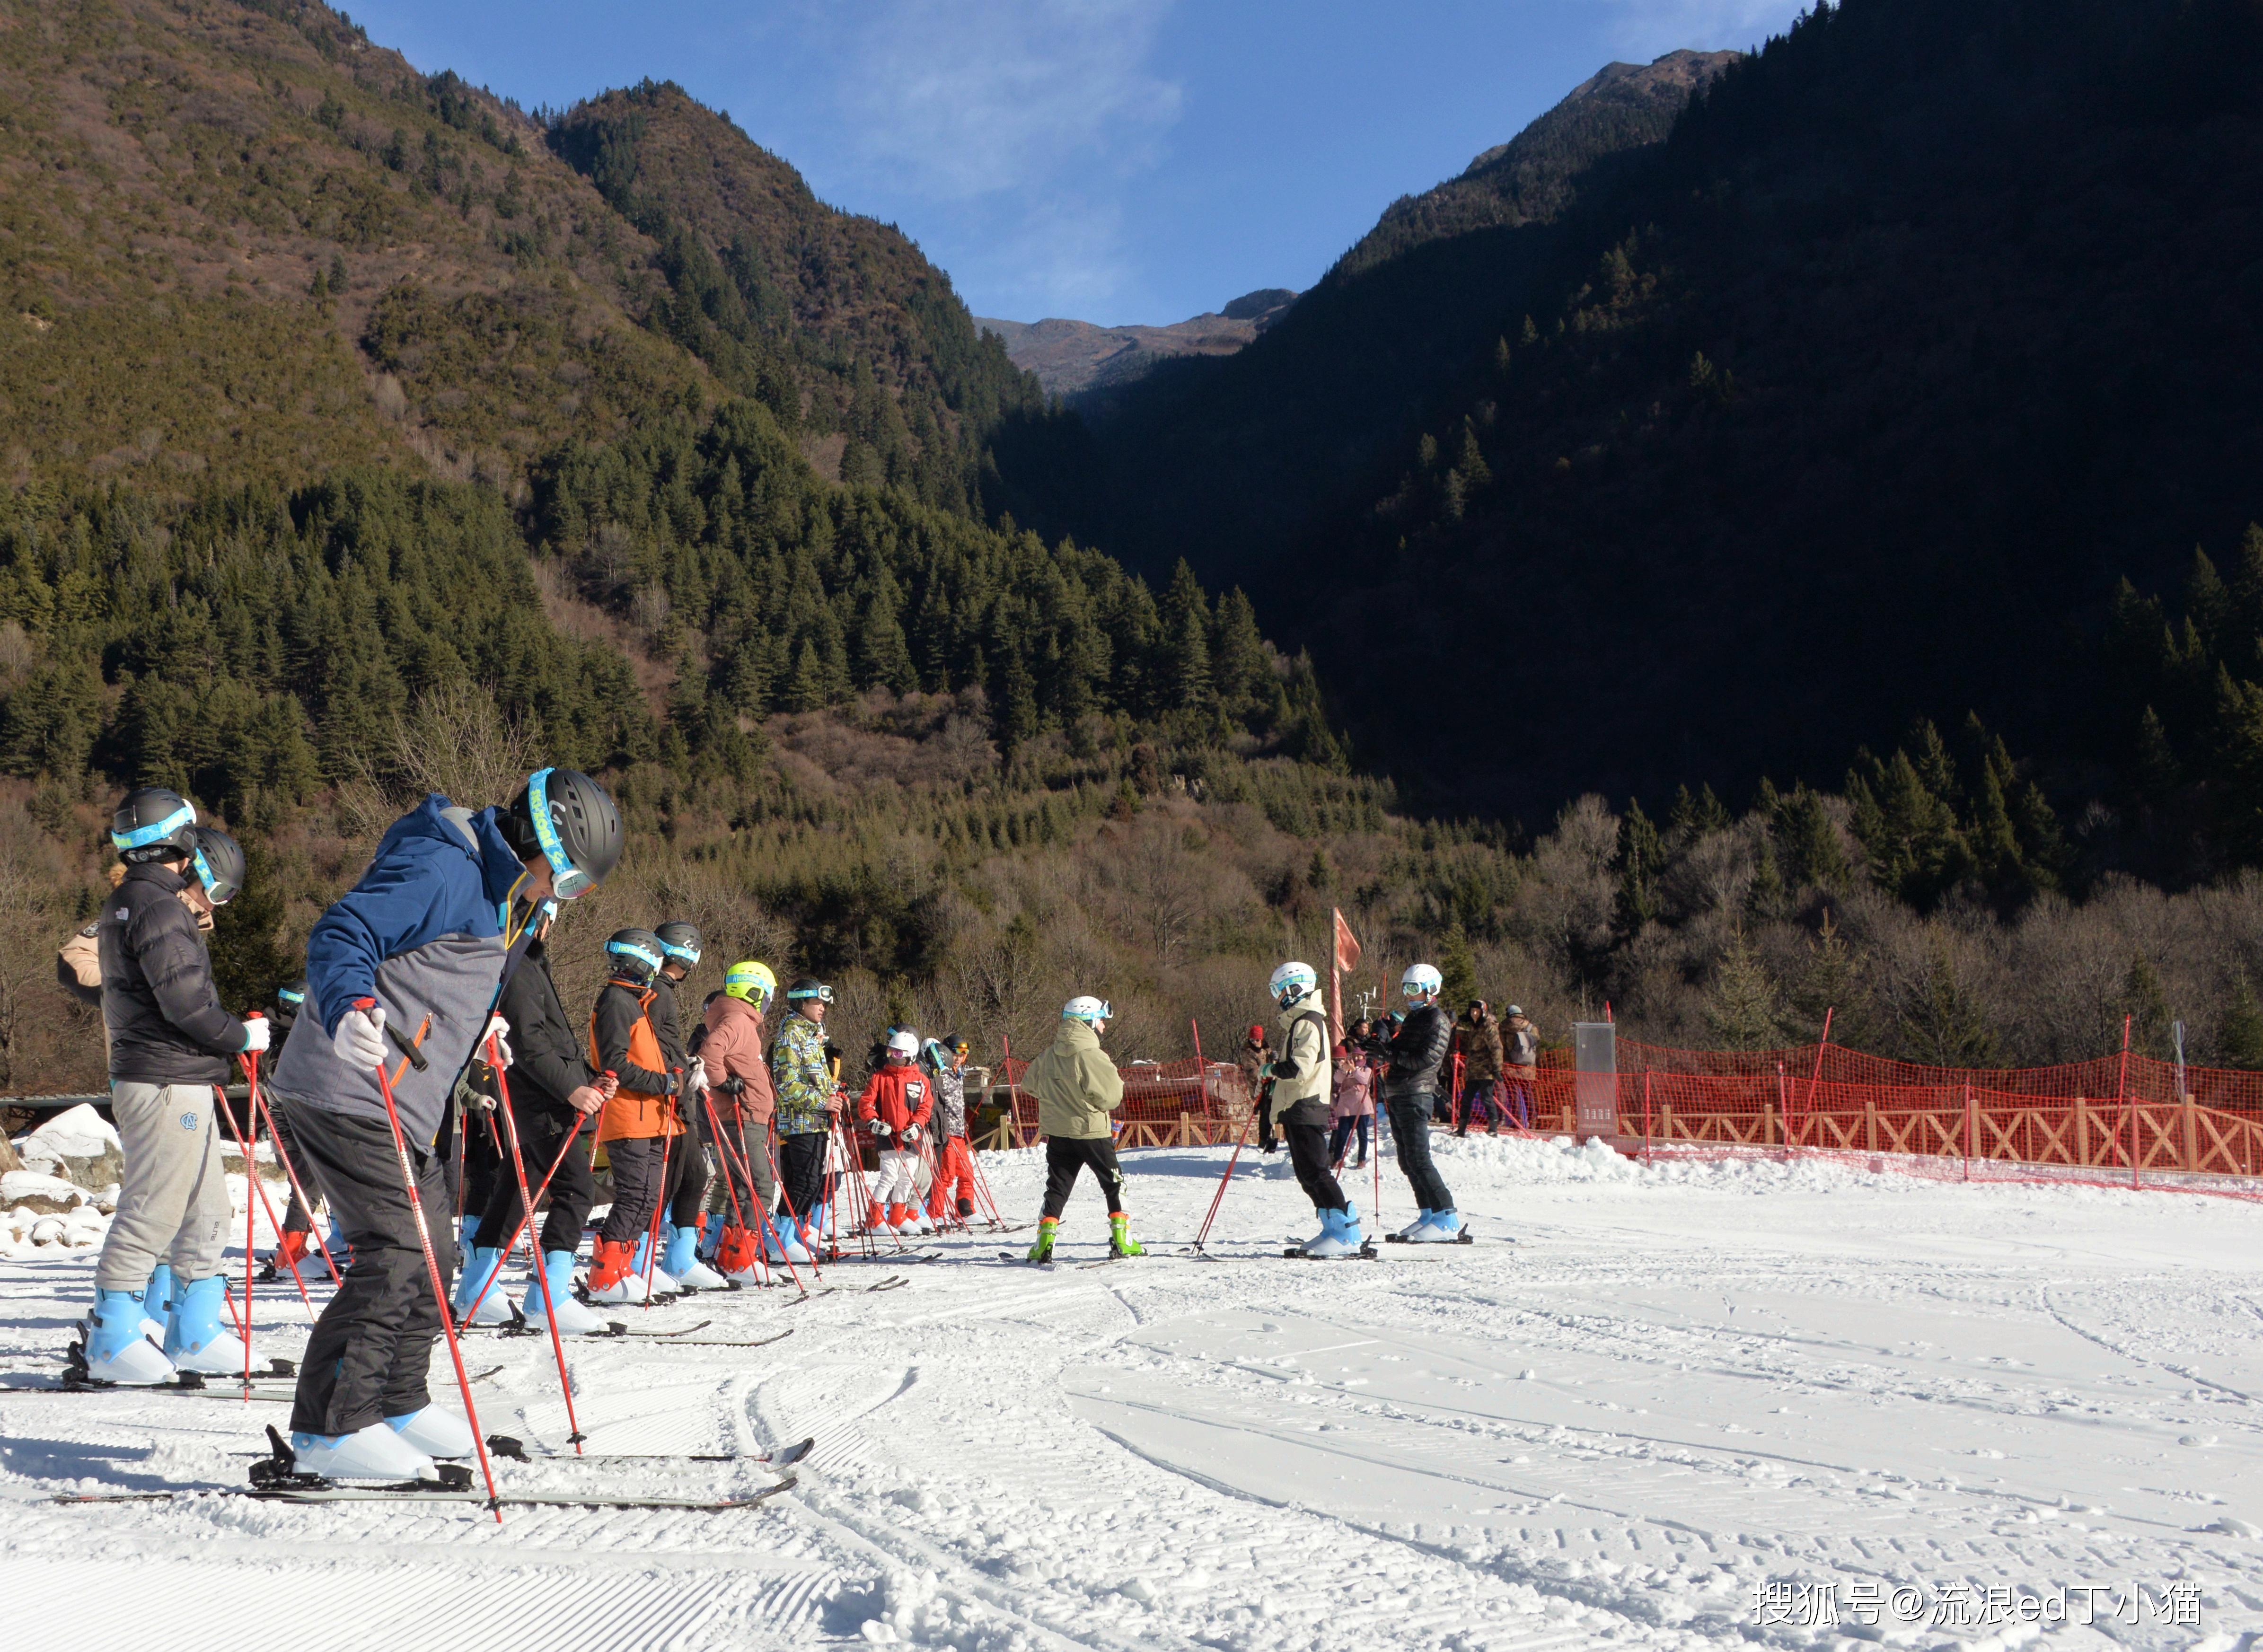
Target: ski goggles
x,y
688,956
566,880
216,888
141,837
822,994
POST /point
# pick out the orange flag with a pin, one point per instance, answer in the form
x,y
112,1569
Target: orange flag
x,y
1347,945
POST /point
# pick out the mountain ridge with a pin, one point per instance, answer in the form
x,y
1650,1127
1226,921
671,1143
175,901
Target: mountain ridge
x,y
1071,356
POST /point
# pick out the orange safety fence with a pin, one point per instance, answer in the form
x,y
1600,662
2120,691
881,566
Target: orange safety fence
x,y
2112,1119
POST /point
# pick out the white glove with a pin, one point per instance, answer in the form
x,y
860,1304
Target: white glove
x,y
498,1030
698,1073
360,1038
878,1127
911,1136
257,1032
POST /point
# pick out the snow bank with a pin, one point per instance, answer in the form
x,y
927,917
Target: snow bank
x,y
78,1133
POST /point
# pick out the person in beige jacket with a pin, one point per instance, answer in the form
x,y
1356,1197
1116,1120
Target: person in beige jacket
x,y
1077,1089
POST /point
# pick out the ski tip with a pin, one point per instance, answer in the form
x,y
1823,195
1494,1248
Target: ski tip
x,y
507,1445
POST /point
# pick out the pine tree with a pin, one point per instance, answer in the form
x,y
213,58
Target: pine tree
x,y
1458,968
2239,1033
1943,1024
1813,855
2147,1007
1830,984
1641,857
1742,1010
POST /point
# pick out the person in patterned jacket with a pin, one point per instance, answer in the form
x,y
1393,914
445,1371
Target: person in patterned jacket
x,y
808,1099
954,1157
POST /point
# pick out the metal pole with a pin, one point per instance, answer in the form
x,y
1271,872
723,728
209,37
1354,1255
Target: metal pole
x,y
2128,1105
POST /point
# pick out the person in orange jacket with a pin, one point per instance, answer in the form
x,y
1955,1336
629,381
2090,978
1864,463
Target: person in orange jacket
x,y
897,1103
639,1123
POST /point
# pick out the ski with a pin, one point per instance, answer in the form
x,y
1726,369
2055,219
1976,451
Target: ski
x,y
433,1491
505,1445
729,1342
615,1328
1367,1252
1467,1237
872,1289
1027,1261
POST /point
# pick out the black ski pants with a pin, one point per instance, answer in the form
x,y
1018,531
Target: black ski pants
x,y
639,1178
1308,1153
688,1171
572,1191
802,1168
298,1218
1065,1159
487,1161
371,1349
1410,1132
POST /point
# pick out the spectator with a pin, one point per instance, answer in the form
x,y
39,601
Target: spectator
x,y
1476,1040
1353,1104
1523,1067
1255,1060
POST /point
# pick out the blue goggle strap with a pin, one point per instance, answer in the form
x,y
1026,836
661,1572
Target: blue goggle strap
x,y
142,836
567,879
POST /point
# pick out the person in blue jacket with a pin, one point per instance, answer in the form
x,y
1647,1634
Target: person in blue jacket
x,y
404,971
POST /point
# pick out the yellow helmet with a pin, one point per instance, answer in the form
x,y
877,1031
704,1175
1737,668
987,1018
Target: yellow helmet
x,y
752,981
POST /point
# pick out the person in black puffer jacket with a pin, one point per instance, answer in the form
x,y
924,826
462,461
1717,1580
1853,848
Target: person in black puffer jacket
x,y
1410,1094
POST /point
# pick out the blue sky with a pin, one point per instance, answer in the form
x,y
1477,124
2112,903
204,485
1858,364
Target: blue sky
x,y
1116,161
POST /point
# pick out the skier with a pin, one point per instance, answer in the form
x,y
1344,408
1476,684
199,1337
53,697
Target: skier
x,y
170,1044
1077,1087
298,1222
1523,1066
808,1099
688,1171
411,959
553,1091
954,1159
639,1127
894,1109
1410,1095
739,1085
1303,1092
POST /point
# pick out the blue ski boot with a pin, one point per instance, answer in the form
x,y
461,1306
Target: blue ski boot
x,y
116,1350
494,1308
194,1339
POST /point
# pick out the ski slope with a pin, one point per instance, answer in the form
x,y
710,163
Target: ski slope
x,y
1693,1405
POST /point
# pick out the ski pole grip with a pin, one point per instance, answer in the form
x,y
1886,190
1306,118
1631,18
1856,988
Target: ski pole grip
x,y
365,1003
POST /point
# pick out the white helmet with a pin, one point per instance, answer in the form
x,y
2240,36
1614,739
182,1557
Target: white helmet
x,y
1088,1010
1290,982
903,1041
1422,981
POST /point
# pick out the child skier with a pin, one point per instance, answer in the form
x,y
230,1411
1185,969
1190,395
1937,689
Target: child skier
x,y
1077,1087
687,1168
640,1126
801,1068
954,1159
895,1107
738,1087
1410,1095
1303,1086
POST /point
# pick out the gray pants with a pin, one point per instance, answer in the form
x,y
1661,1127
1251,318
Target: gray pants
x,y
172,1203
751,1144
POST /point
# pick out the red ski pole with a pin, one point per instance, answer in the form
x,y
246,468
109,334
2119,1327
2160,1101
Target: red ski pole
x,y
297,1190
249,1061
778,1180
1218,1199
525,1217
652,1232
541,1273
741,1156
439,1285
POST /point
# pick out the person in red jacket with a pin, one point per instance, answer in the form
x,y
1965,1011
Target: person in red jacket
x,y
897,1103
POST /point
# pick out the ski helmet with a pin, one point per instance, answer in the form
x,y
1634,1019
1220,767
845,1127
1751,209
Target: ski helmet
x,y
809,987
566,817
903,1041
751,982
937,1053
633,955
1422,981
292,999
1290,982
153,824
218,859
1091,1011
1515,1010
681,941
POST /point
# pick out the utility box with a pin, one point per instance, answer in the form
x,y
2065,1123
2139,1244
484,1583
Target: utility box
x,y
1596,1081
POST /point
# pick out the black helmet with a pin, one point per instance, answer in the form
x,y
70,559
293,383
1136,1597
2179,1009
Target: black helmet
x,y
293,998
153,824
219,862
680,942
633,955
564,815
809,987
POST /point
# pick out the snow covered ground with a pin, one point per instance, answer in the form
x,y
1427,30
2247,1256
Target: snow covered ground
x,y
1693,1405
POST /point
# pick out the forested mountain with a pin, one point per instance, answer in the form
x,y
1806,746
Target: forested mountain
x,y
1848,402
1230,461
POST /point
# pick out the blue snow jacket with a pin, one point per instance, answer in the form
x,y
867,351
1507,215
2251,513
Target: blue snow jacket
x,y
423,932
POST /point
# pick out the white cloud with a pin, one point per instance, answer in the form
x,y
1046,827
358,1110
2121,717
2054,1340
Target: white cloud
x,y
981,97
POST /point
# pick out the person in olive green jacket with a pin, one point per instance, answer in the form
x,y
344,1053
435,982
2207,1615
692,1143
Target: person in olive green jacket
x,y
1077,1089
